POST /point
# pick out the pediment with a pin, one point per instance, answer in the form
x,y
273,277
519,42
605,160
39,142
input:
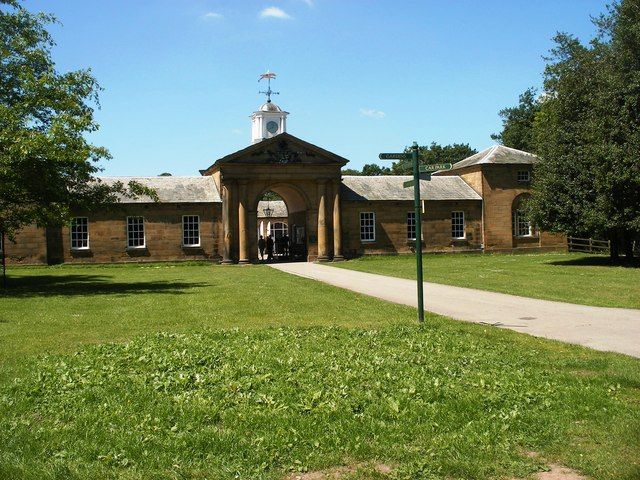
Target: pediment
x,y
283,149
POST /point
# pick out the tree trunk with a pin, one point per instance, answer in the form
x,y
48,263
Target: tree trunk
x,y
628,246
614,248
4,262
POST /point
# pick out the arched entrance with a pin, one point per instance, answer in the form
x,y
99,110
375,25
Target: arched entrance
x,y
281,214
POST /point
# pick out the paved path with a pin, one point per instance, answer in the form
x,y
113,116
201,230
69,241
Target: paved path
x,y
609,329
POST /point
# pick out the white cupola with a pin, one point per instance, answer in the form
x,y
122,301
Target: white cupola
x,y
270,120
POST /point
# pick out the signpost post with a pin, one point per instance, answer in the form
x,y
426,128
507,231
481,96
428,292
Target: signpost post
x,y
420,172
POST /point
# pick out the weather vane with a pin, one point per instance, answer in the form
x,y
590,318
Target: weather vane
x,y
268,75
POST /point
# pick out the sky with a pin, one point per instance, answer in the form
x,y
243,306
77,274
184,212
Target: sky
x,y
359,77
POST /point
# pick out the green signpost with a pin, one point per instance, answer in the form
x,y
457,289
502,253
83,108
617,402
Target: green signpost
x,y
420,172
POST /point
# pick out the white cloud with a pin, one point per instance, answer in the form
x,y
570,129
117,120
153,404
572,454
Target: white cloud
x,y
275,12
372,112
211,16
310,3
236,131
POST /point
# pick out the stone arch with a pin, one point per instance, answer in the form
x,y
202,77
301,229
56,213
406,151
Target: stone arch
x,y
294,197
298,207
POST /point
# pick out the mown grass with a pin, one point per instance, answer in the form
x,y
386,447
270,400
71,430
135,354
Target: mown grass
x,y
334,379
566,277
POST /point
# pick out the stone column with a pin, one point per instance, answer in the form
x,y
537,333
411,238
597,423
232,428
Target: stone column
x,y
337,226
242,223
322,221
226,225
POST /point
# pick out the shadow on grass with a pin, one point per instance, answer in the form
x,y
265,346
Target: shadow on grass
x,y
598,261
80,285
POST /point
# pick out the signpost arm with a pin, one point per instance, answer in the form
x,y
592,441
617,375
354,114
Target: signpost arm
x,y
418,227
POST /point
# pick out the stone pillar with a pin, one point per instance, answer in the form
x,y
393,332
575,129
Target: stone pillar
x,y
322,221
226,225
242,223
337,226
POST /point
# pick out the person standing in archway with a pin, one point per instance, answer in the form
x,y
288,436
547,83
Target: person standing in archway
x,y
269,247
285,245
261,246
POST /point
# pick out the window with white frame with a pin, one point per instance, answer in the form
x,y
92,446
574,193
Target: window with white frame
x,y
411,225
135,232
524,176
367,226
521,224
191,230
457,225
79,233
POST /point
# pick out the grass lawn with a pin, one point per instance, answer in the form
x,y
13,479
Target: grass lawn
x,y
566,277
200,371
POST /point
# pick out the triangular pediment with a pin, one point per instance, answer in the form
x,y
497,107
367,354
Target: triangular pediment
x,y
283,149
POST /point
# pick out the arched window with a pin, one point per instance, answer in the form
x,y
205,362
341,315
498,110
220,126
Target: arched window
x,y
278,229
520,223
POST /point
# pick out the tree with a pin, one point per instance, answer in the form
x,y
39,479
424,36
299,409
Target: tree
x,y
588,133
351,171
165,174
517,123
47,167
434,153
371,169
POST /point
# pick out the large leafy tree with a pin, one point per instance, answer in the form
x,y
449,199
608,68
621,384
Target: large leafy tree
x,y
517,123
47,166
434,153
588,133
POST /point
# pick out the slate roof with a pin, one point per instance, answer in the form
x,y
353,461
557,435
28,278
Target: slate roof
x,y
278,206
497,154
173,189
358,188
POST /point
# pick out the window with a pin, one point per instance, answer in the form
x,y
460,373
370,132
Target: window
x,y
524,176
367,226
411,226
79,233
190,231
278,230
521,224
457,225
135,232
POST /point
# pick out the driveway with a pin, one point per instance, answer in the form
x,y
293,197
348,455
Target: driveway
x,y
607,329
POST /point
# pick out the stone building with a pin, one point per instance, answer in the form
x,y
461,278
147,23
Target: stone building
x,y
219,215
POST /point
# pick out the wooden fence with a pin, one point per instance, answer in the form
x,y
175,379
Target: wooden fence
x,y
588,245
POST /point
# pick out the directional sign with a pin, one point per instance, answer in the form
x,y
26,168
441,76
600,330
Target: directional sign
x,y
394,156
410,183
434,167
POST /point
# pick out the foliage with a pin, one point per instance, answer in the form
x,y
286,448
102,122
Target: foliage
x,y
432,402
588,133
370,169
273,196
46,164
566,277
434,153
517,123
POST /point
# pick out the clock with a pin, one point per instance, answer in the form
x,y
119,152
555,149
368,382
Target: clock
x,y
272,127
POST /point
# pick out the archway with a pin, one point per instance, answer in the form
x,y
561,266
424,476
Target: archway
x,y
281,222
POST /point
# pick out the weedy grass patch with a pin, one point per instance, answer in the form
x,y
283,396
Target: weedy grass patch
x,y
444,400
564,277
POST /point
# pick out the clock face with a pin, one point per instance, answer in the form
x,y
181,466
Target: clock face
x,y
272,127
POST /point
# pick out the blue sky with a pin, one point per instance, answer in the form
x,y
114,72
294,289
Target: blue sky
x,y
358,77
